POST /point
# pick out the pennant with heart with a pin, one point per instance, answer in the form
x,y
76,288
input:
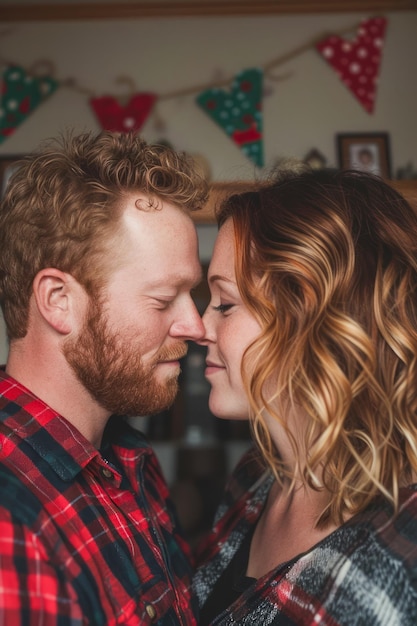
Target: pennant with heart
x,y
357,62
21,94
238,111
115,117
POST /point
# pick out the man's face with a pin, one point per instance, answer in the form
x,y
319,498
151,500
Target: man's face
x,y
126,355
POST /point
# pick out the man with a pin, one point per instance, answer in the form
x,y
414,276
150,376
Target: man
x,y
98,256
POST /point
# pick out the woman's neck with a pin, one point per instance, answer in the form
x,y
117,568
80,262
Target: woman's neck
x,y
286,528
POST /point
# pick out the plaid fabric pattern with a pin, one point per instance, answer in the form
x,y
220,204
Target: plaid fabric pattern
x,y
363,574
83,539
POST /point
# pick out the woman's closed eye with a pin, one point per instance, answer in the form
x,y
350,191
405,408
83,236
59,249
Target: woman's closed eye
x,y
223,308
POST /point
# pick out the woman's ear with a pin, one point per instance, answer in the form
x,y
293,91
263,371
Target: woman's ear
x,y
53,293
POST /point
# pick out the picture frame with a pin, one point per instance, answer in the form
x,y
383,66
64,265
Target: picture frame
x,y
367,152
8,165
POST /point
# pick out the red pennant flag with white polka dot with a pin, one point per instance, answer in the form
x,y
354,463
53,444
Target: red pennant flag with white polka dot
x,y
357,62
115,117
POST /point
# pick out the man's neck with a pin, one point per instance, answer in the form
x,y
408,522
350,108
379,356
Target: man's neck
x,y
54,382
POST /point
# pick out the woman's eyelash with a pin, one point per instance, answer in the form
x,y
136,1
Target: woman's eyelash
x,y
222,308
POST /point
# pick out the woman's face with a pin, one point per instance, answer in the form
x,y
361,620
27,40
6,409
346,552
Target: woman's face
x,y
229,329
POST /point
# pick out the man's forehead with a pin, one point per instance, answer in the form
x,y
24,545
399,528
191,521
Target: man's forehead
x,y
190,276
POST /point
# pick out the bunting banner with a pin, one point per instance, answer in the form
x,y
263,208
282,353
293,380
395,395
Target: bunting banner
x,y
21,94
357,62
238,111
235,104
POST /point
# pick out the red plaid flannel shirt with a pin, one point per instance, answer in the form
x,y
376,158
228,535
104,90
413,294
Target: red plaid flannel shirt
x,y
84,540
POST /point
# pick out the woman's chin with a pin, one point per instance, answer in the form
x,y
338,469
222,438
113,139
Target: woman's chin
x,y
227,413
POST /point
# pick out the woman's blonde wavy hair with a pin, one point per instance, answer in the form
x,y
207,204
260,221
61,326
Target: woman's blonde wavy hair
x,y
326,261
64,203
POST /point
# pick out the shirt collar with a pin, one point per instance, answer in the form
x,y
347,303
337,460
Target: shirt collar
x,y
55,440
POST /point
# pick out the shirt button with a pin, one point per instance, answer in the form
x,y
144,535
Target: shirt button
x,y
106,473
151,611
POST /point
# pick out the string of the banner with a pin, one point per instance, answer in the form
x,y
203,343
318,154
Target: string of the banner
x,y
266,68
35,71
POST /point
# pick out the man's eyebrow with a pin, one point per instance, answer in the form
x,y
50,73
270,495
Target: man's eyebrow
x,y
176,279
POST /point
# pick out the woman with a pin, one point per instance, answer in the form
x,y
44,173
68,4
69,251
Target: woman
x,y
311,333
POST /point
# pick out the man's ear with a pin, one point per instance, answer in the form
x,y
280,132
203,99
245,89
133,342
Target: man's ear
x,y
53,293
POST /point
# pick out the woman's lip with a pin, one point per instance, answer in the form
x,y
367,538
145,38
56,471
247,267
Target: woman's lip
x,y
212,368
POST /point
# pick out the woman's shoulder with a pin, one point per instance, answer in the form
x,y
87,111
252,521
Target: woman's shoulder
x,y
375,539
395,533
373,554
369,563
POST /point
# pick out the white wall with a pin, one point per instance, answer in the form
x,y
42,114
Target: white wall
x,y
164,55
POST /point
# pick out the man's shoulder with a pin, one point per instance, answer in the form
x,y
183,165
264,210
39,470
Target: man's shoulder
x,y
16,399
17,498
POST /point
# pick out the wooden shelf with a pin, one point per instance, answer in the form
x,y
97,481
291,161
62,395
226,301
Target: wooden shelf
x,y
218,192
48,11
221,190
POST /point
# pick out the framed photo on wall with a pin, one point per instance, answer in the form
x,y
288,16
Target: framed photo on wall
x,y
8,165
368,152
